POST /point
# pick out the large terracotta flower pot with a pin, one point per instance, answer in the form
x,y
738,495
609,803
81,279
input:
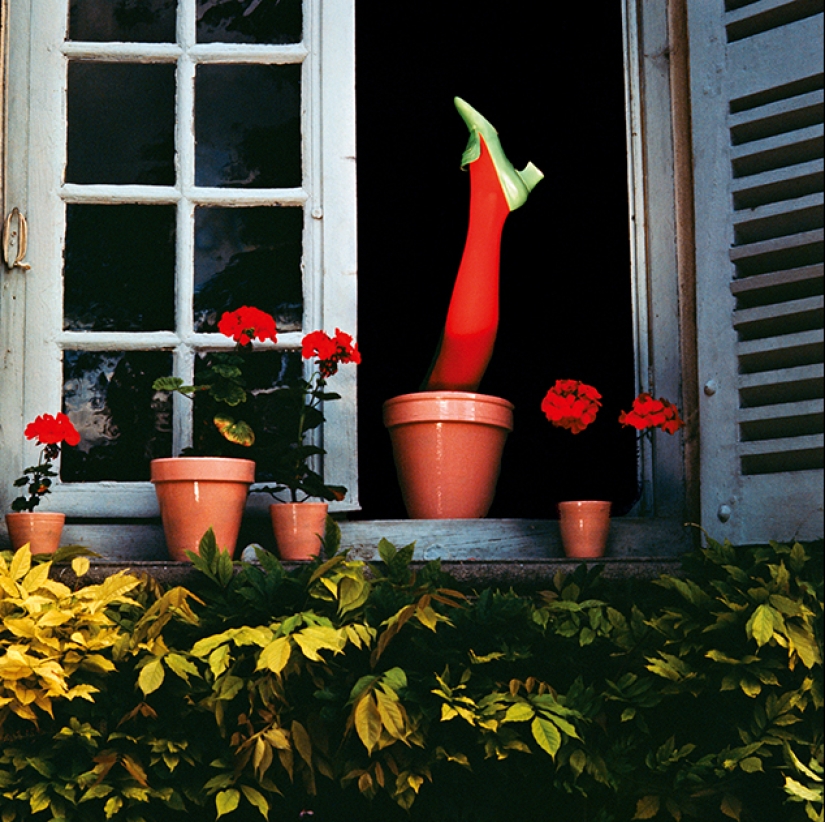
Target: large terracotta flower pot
x,y
584,525
40,529
447,447
196,493
299,528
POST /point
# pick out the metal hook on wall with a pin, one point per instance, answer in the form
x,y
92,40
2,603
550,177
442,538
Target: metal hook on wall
x,y
22,234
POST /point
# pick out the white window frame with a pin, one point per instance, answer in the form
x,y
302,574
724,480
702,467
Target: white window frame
x,y
31,301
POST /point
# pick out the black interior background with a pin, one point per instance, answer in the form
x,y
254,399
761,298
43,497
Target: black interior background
x,y
552,85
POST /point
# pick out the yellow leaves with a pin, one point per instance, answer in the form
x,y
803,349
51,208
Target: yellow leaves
x,y
316,638
275,655
647,807
80,566
368,722
731,806
762,622
151,676
20,563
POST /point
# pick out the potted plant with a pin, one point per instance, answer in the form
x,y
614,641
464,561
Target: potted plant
x,y
207,485
299,522
573,405
448,439
40,529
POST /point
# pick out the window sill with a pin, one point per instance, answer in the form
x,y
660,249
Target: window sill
x,y
509,552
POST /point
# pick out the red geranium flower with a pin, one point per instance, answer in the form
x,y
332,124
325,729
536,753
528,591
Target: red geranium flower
x,y
330,351
648,412
49,430
246,324
572,405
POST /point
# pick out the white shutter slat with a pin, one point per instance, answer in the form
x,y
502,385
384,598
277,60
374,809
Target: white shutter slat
x,y
778,219
757,105
779,318
777,184
772,353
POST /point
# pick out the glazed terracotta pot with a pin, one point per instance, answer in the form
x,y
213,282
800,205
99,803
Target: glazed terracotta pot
x,y
40,529
447,447
299,528
196,493
584,525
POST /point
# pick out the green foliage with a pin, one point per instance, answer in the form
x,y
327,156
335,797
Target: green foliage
x,y
384,692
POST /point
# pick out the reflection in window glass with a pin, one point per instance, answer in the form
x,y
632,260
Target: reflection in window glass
x,y
273,419
119,268
248,126
249,21
121,123
248,256
126,21
122,422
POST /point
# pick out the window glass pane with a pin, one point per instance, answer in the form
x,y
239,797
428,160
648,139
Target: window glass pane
x,y
133,21
123,424
119,268
248,256
249,21
274,421
248,126
121,123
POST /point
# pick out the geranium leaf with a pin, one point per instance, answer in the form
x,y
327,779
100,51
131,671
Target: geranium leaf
x,y
238,432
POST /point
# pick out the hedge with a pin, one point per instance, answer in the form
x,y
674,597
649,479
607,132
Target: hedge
x,y
346,691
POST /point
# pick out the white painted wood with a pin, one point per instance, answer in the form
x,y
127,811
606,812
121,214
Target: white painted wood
x,y
31,306
772,279
757,240
653,251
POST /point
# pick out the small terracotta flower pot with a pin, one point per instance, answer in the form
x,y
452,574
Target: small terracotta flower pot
x,y
299,528
40,529
447,447
584,525
196,493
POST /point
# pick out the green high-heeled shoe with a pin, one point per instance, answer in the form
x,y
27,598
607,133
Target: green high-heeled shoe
x,y
515,185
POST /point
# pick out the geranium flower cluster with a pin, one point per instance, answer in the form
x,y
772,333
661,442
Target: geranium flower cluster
x,y
648,412
571,404
246,324
50,432
330,351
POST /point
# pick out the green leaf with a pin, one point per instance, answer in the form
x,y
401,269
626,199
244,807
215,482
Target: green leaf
x,y
761,624
151,676
230,393
227,801
169,384
546,734
751,764
519,712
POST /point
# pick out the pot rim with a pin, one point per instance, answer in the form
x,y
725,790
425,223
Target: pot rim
x,y
448,406
202,469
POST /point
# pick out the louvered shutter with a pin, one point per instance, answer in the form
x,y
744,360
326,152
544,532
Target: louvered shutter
x,y
757,121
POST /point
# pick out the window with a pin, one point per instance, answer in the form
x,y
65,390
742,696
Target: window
x,y
171,160
711,291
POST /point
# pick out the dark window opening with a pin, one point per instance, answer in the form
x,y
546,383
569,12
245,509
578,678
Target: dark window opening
x,y
553,87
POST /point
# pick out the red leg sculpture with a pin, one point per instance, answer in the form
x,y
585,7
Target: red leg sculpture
x,y
496,189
